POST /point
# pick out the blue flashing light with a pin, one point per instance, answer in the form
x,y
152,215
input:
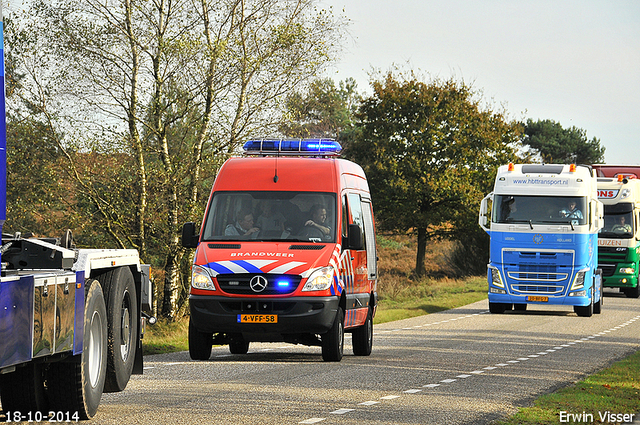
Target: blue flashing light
x,y
283,284
319,147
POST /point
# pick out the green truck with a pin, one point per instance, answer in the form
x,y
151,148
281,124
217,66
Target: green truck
x,y
619,239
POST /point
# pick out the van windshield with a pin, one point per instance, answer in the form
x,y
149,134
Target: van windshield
x,y
540,209
271,216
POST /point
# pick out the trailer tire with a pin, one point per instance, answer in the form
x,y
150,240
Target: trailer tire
x,y
23,390
199,343
362,337
333,340
122,314
77,385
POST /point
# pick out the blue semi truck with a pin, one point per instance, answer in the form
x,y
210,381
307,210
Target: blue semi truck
x,y
543,222
71,320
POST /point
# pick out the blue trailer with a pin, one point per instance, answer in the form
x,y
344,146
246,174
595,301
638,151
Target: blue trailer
x,y
71,320
543,224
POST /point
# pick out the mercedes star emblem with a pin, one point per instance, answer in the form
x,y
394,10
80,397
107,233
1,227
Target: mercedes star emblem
x,y
258,283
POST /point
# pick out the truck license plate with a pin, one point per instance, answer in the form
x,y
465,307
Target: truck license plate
x,y
257,318
537,298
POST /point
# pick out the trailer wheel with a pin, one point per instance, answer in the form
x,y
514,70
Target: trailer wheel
x,y
23,390
122,318
362,337
76,386
333,340
199,343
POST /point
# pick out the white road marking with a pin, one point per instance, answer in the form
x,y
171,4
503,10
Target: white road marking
x,y
342,411
312,421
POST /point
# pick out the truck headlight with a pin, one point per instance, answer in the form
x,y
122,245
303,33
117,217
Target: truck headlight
x,y
319,280
626,270
495,277
578,281
201,279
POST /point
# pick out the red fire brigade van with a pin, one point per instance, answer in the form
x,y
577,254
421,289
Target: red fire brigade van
x,y
286,252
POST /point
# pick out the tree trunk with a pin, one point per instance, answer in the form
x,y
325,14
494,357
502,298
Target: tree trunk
x,y
421,252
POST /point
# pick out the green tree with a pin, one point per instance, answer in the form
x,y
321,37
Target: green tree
x,y
159,94
560,145
323,111
429,151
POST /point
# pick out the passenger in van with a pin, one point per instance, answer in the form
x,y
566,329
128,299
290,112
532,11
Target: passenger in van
x,y
318,220
243,226
269,221
621,226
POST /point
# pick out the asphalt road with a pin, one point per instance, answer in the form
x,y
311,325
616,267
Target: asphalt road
x,y
462,366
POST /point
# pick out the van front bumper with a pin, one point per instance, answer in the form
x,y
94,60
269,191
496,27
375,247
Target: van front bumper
x,y
299,315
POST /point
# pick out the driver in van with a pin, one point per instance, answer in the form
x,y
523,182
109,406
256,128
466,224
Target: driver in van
x,y
318,219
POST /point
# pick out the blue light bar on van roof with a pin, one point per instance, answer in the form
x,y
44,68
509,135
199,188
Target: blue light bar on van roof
x,y
317,147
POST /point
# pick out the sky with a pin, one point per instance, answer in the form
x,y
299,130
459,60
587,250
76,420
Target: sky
x,y
573,62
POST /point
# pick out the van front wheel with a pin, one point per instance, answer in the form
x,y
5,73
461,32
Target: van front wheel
x,y
333,340
363,337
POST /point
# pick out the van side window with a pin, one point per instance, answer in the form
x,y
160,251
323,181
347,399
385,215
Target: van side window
x,y
345,216
355,207
370,240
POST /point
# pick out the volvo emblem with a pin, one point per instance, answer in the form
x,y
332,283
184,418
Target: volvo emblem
x,y
258,283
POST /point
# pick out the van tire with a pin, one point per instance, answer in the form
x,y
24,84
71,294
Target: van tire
x,y
333,340
362,337
122,311
200,343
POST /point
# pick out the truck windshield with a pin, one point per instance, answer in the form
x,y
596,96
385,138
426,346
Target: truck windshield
x,y
540,209
271,216
618,221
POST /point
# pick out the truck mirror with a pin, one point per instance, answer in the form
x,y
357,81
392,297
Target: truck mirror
x,y
355,237
189,236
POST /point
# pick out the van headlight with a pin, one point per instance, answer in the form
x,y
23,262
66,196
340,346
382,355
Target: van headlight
x,y
201,279
578,281
496,280
319,280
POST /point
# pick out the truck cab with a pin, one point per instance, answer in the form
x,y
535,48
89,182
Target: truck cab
x,y
619,239
285,253
543,225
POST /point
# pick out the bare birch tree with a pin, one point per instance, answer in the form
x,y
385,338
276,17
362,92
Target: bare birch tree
x,y
163,91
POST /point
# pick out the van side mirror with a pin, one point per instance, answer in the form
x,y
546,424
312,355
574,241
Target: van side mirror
x,y
189,236
354,235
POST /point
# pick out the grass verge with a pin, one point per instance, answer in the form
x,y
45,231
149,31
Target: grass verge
x,y
166,337
613,390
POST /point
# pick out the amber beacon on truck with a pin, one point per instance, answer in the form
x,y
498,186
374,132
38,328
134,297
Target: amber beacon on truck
x,y
285,253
